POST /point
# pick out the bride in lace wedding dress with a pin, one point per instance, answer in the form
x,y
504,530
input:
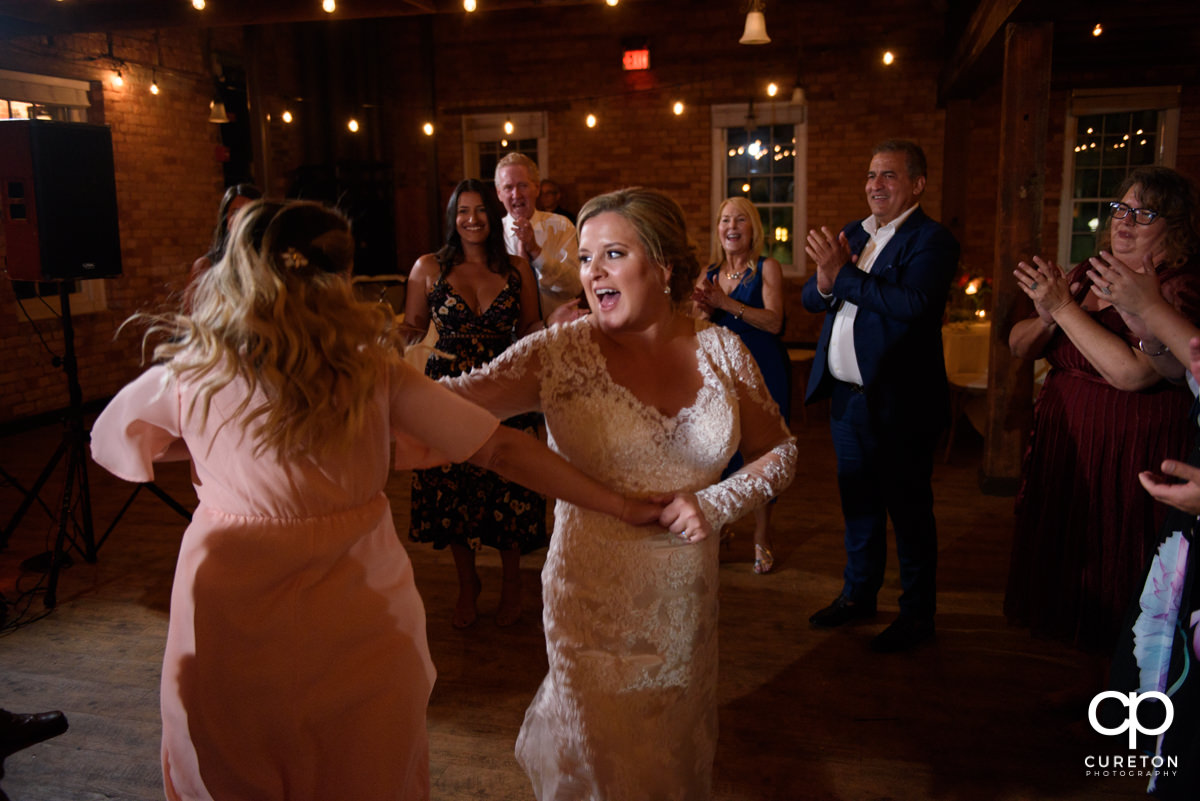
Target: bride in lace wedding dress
x,y
654,403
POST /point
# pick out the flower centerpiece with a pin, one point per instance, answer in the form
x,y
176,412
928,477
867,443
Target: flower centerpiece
x,y
970,298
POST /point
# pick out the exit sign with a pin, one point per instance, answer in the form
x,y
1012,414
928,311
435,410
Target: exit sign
x,y
636,59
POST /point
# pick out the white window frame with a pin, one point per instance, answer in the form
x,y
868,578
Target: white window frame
x,y
1088,102
478,128
73,95
733,115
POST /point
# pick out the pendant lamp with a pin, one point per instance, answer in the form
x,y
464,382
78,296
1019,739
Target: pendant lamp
x,y
756,26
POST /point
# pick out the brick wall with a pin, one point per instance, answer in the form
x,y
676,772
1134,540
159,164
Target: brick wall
x,y
564,60
168,185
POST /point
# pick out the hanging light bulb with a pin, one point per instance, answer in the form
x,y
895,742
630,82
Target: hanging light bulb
x,y
677,109
469,5
1099,29
591,121
772,89
329,6
286,116
508,127
118,81
755,32
889,57
427,128
198,5
612,3
153,84
352,125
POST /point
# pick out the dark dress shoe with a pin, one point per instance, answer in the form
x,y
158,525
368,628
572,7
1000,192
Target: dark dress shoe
x,y
22,731
840,612
905,633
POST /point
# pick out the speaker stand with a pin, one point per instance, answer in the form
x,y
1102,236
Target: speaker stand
x,y
156,490
74,447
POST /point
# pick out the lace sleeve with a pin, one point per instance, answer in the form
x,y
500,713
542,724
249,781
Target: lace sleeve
x,y
768,448
509,384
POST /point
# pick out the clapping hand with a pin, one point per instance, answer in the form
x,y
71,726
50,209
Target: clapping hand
x,y
830,253
707,296
1045,285
682,517
522,228
1132,290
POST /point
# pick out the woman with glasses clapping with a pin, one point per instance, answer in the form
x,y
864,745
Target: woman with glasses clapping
x,y
1113,404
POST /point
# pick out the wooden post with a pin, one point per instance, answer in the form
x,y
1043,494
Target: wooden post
x,y
1024,110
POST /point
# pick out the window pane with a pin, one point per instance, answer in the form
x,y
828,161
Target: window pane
x,y
490,154
1087,183
1082,247
778,233
760,165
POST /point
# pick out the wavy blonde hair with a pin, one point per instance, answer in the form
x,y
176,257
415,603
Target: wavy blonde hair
x,y
757,239
279,313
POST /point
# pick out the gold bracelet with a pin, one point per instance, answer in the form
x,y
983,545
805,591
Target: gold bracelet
x,y
741,311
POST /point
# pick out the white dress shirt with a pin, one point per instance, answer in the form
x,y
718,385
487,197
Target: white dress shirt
x,y
557,266
843,361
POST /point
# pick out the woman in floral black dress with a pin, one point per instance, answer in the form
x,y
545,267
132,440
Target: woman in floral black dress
x,y
480,300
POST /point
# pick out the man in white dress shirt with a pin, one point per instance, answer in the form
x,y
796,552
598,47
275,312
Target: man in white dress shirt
x,y
547,241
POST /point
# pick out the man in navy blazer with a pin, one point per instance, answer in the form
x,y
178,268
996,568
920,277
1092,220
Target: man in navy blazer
x,y
882,284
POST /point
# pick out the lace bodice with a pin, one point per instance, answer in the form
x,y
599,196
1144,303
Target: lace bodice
x,y
631,613
602,427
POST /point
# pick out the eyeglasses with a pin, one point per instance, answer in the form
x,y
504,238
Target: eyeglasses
x,y
1140,216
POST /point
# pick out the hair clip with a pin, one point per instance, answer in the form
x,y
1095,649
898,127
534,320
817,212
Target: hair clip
x,y
293,259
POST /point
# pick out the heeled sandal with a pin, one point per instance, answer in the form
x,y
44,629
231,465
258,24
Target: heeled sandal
x,y
764,560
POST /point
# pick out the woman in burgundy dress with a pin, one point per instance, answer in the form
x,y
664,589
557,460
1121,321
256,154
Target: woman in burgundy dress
x,y
1084,525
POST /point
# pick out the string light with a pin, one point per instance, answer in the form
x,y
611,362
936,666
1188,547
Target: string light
x,y
508,127
428,128
352,125
677,108
198,5
772,89
591,121
888,57
469,5
286,116
612,3
329,6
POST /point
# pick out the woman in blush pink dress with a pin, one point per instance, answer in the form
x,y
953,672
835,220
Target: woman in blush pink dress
x,y
296,665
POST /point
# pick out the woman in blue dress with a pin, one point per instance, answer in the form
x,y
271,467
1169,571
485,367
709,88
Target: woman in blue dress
x,y
743,291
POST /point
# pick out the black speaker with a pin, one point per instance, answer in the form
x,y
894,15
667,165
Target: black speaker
x,y
60,200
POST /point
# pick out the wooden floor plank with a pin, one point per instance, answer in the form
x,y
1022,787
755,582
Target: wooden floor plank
x,y
804,714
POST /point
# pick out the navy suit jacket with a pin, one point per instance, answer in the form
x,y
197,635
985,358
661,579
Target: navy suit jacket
x,y
898,327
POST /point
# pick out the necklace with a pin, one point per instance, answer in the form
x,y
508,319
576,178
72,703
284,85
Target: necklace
x,y
735,276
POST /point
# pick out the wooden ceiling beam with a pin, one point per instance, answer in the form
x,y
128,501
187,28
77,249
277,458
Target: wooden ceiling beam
x,y
979,41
